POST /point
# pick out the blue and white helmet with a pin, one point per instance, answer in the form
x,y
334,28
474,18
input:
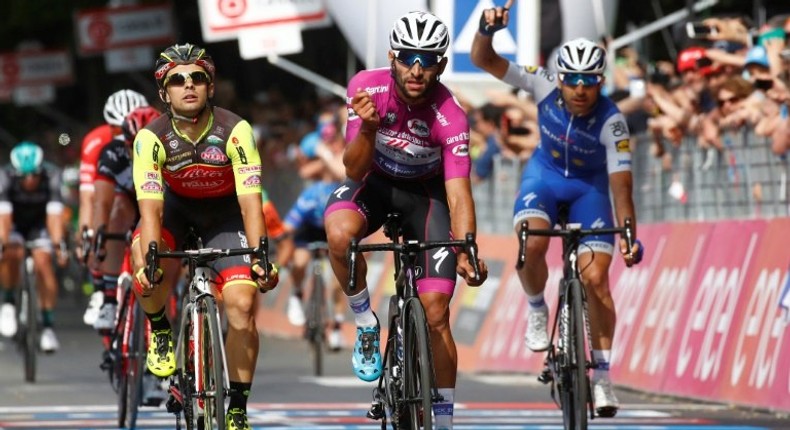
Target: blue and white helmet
x,y
420,31
27,158
581,56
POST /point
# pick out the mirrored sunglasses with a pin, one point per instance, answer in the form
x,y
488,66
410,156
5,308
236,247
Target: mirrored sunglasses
x,y
426,59
198,77
574,79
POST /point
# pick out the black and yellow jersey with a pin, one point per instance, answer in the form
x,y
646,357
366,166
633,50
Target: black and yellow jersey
x,y
224,160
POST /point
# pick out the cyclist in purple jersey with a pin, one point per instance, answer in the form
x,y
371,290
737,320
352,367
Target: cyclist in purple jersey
x,y
584,152
407,150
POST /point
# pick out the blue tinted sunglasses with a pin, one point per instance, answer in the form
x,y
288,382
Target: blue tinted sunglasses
x,y
574,79
426,59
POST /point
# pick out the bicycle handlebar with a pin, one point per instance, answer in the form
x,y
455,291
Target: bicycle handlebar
x,y
469,244
101,237
627,230
205,255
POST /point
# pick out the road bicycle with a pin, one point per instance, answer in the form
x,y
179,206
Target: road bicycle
x,y
317,314
568,360
124,358
200,384
407,386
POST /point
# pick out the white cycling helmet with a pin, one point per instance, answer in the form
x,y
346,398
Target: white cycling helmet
x,y
420,31
581,56
120,104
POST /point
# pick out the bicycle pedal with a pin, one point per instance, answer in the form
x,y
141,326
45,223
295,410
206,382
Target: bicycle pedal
x,y
545,377
376,411
173,406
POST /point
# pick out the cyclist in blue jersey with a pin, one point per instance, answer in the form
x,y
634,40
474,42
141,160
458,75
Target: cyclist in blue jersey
x,y
584,151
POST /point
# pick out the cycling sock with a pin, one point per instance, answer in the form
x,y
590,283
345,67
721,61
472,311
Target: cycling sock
x,y
239,392
363,314
443,411
110,288
8,296
536,301
602,357
97,281
47,318
158,320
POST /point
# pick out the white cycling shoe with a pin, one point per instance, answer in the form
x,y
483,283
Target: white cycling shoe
x,y
537,336
92,311
8,325
295,311
604,399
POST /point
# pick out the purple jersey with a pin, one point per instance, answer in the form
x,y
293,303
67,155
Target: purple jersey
x,y
413,142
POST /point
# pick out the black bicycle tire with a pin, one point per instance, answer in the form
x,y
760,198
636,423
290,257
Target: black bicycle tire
x,y
30,338
186,370
417,367
137,353
579,383
316,325
117,372
563,357
214,376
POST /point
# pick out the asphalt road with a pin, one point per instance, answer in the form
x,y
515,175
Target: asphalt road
x,y
71,392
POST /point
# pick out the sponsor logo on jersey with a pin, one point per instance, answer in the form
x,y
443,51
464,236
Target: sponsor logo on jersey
x,y
624,163
173,167
419,127
152,175
202,184
457,138
137,147
235,141
214,140
220,130
390,118
623,145
547,75
619,128
213,155
198,172
376,90
151,186
173,144
440,116
249,169
252,181
461,150
531,69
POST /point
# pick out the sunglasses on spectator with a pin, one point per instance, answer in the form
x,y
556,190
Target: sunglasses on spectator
x,y
426,59
198,77
733,99
584,79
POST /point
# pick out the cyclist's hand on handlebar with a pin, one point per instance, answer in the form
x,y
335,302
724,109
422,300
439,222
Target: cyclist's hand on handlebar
x,y
146,286
365,109
465,270
636,253
258,276
495,19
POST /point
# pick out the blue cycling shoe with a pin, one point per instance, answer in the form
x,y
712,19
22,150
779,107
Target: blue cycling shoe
x,y
366,358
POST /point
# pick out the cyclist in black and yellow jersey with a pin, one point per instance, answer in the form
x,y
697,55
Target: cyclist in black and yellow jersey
x,y
198,166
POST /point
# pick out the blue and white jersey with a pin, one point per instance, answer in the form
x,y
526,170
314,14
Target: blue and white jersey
x,y
309,207
577,146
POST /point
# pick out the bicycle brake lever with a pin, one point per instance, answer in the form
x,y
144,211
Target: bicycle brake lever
x,y
522,245
352,265
471,249
151,261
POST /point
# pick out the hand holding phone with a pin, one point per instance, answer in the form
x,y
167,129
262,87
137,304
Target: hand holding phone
x,y
698,30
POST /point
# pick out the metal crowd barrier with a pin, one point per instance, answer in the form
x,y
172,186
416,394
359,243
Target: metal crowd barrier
x,y
743,181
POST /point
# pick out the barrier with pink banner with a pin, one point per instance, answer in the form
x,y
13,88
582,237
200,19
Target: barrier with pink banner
x,y
698,318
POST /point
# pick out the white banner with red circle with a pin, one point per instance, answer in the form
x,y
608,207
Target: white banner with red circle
x,y
224,19
35,68
99,30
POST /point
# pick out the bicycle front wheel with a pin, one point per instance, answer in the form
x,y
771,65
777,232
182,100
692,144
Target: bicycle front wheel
x,y
575,395
316,325
135,357
417,372
211,368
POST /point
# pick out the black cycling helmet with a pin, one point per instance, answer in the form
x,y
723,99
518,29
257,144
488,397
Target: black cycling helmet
x,y
182,54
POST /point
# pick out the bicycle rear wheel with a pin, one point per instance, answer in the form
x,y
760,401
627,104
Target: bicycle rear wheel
x,y
186,365
135,365
211,368
316,330
417,372
575,390
28,323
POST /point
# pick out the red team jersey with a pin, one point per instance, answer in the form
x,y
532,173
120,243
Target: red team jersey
x,y
92,145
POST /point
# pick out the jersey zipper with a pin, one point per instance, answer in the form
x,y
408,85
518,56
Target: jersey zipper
x,y
568,143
